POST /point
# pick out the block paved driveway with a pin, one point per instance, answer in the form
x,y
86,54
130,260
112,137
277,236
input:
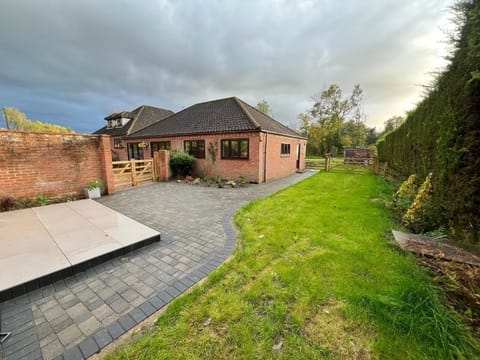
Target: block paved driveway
x,y
76,317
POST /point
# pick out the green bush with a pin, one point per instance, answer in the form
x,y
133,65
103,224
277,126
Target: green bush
x,y
182,163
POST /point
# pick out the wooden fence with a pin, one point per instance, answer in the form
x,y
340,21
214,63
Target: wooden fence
x,y
132,173
341,164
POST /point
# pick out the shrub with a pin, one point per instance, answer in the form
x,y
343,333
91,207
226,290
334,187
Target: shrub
x,y
418,215
405,195
182,163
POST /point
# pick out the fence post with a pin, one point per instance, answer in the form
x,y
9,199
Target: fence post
x,y
156,167
375,165
134,172
385,167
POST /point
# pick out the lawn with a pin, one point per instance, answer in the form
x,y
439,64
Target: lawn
x,y
314,276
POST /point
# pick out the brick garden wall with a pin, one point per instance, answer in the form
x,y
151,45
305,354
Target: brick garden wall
x,y
52,164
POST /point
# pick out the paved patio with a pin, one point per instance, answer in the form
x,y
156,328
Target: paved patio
x,y
61,238
76,317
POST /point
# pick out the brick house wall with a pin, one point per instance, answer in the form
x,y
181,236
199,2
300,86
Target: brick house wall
x,y
253,169
52,164
225,168
279,165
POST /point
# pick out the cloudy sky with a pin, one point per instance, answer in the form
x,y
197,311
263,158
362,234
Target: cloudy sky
x,y
72,62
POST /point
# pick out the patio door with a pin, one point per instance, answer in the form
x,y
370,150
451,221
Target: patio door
x,y
135,152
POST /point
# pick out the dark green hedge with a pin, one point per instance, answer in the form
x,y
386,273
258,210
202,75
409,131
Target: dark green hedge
x,y
442,135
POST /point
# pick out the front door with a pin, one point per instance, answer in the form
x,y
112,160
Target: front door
x,y
298,157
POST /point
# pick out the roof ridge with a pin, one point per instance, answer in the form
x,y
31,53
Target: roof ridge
x,y
135,119
249,116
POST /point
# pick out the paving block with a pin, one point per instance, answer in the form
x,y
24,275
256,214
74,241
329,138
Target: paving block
x,y
88,347
102,338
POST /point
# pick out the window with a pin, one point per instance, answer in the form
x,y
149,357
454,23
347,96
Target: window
x,y
235,149
161,145
135,152
195,148
119,123
110,124
285,150
118,144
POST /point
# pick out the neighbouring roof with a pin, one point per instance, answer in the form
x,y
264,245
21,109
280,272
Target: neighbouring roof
x,y
217,116
140,118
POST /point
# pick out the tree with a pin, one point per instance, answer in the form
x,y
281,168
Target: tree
x,y
16,120
334,121
393,123
264,107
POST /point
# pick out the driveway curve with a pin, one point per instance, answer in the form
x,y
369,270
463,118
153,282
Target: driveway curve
x,y
77,316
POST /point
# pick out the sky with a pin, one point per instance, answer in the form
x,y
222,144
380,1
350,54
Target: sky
x,y
73,62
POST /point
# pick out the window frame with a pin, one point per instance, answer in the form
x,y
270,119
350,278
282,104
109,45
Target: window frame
x,y
229,156
118,144
197,152
285,149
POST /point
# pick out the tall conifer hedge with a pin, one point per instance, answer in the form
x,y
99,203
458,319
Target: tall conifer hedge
x,y
442,135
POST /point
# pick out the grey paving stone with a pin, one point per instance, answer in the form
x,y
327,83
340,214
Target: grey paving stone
x,y
127,322
157,303
70,335
102,338
52,349
78,312
60,323
73,354
88,347
137,315
115,330
147,308
103,313
89,326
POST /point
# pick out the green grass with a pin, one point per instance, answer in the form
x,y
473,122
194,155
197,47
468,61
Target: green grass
x,y
315,272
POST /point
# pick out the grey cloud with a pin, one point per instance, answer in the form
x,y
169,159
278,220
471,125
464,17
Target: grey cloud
x,y
73,62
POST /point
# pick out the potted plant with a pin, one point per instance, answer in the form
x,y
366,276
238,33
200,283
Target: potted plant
x,y
93,190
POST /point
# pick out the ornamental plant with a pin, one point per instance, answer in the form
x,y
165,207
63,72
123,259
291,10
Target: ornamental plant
x,y
418,216
404,197
93,185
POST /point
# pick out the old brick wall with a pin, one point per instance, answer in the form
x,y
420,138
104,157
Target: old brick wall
x,y
52,164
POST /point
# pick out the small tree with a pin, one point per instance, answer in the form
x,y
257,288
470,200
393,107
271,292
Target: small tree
x,y
181,163
264,107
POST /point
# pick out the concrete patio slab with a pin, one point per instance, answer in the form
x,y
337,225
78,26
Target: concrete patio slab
x,y
41,241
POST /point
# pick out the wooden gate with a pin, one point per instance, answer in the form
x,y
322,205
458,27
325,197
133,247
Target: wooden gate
x,y
352,164
132,173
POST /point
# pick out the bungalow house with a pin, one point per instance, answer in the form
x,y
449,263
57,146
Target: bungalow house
x,y
119,125
229,138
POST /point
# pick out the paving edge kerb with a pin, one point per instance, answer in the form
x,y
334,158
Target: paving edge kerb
x,y
95,343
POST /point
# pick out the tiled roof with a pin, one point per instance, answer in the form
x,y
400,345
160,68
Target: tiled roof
x,y
217,116
140,118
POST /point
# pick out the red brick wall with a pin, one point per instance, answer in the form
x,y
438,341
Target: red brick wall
x,y
278,165
227,169
52,164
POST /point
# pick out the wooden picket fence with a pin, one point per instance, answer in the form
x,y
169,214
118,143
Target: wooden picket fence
x,y
132,173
